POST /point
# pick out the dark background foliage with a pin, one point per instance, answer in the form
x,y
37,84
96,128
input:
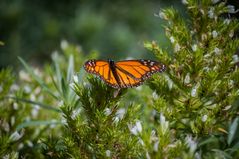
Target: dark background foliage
x,y
117,29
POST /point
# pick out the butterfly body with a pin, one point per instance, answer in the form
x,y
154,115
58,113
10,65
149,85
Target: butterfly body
x,y
113,69
123,74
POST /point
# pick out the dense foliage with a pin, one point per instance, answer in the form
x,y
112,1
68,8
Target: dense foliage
x,y
191,111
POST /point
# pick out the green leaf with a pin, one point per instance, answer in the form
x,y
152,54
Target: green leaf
x,y
236,146
57,70
223,153
36,123
39,80
232,130
35,103
64,88
70,69
208,141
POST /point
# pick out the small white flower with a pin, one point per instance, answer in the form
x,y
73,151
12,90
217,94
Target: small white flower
x,y
198,155
194,47
191,143
135,129
184,1
153,113
202,11
172,145
235,58
153,137
139,88
227,21
206,69
213,105
204,36
32,97
27,89
211,13
214,33
35,111
231,83
141,141
156,146
64,44
5,126
75,79
20,146
38,72
15,136
208,102
13,119
29,143
172,39
116,119
194,90
7,156
192,32
227,107
155,95
204,118
139,126
75,113
215,1
107,111
177,47
60,103
63,121
108,153
54,55
72,85
163,124
37,90
162,15
217,51
53,123
162,118
170,82
187,78
231,34
120,113
147,155
14,87
15,106
207,56
231,9
24,76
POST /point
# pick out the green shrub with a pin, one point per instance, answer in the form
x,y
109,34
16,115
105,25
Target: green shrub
x,y
191,111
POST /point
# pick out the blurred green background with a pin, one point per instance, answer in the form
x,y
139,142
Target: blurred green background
x,y
116,29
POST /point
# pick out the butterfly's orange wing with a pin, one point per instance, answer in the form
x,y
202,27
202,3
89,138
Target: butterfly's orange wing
x,y
134,72
128,73
101,68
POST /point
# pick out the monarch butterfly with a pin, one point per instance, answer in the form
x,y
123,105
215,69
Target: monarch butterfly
x,y
123,74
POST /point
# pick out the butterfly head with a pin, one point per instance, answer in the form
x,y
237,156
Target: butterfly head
x,y
111,61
